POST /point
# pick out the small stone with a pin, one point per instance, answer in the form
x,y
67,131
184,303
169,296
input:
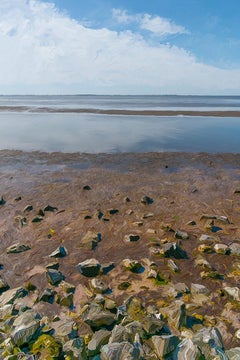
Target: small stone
x,y
89,268
2,201
28,208
235,249
126,199
124,285
106,268
199,289
17,248
99,286
131,238
138,223
87,187
181,235
233,292
208,238
54,276
37,219
59,252
50,208
91,240
54,265
47,296
164,345
222,249
191,223
204,248
172,266
146,200
148,215
132,265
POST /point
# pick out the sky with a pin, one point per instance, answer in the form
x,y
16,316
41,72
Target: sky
x,y
120,47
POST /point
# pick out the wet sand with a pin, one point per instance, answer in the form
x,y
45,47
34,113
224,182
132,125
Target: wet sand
x,y
216,113
183,187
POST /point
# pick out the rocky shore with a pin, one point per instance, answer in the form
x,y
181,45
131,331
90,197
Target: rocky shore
x,y
128,256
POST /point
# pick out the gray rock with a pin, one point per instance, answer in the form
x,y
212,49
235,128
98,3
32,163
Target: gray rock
x,y
232,292
120,351
9,296
75,349
187,350
175,313
132,265
164,344
221,249
233,354
174,250
96,317
65,331
181,235
54,277
208,238
99,286
202,262
119,334
90,240
89,268
235,249
209,341
24,328
17,248
199,289
99,339
59,252
152,325
172,266
47,296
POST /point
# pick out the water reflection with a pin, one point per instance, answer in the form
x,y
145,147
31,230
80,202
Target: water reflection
x,y
102,133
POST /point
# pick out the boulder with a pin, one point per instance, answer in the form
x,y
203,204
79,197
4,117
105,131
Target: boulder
x,y
89,268
75,349
46,347
96,317
232,292
9,296
47,296
164,344
120,351
175,314
146,200
209,341
99,339
199,289
99,286
132,265
235,249
25,327
222,249
187,350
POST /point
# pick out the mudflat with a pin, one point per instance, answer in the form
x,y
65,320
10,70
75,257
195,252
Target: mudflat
x,y
70,195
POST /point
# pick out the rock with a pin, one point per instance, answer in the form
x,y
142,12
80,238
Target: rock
x,y
28,208
50,208
65,330
59,252
232,292
174,250
46,347
148,215
47,296
211,275
164,344
24,328
222,249
220,218
152,325
132,265
2,201
202,262
113,211
67,287
175,314
205,248
9,296
65,299
235,249
191,223
152,274
106,268
99,286
199,289
187,350
146,200
126,199
17,248
3,285
181,235
54,277
172,266
75,349
54,265
233,354
87,187
131,238
96,317
89,268
37,219
91,240
99,339
120,351
209,341
208,238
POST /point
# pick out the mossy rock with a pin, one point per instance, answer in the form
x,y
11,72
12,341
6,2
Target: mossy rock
x,y
47,348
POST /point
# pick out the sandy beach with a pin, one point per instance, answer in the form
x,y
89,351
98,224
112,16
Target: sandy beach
x,y
184,188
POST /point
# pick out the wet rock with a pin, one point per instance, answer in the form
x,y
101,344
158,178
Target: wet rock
x,y
181,235
17,248
148,215
220,218
59,252
120,351
146,200
132,265
99,339
90,240
89,268
131,238
99,286
54,277
164,344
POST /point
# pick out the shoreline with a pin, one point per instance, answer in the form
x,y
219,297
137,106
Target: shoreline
x,y
213,113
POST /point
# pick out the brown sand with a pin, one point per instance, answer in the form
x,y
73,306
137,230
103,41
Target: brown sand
x,y
183,186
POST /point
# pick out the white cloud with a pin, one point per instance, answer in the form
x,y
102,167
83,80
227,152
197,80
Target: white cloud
x,y
155,24
45,51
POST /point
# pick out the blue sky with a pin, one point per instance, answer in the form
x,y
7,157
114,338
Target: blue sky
x,y
125,47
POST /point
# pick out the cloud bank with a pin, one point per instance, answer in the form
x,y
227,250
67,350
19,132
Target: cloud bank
x,y
44,51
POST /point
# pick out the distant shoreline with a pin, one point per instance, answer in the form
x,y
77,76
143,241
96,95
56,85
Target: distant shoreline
x,y
215,113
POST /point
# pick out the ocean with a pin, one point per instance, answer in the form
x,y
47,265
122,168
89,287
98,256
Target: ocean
x,y
118,124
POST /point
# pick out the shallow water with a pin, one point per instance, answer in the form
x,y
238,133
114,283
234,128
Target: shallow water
x,y
93,133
